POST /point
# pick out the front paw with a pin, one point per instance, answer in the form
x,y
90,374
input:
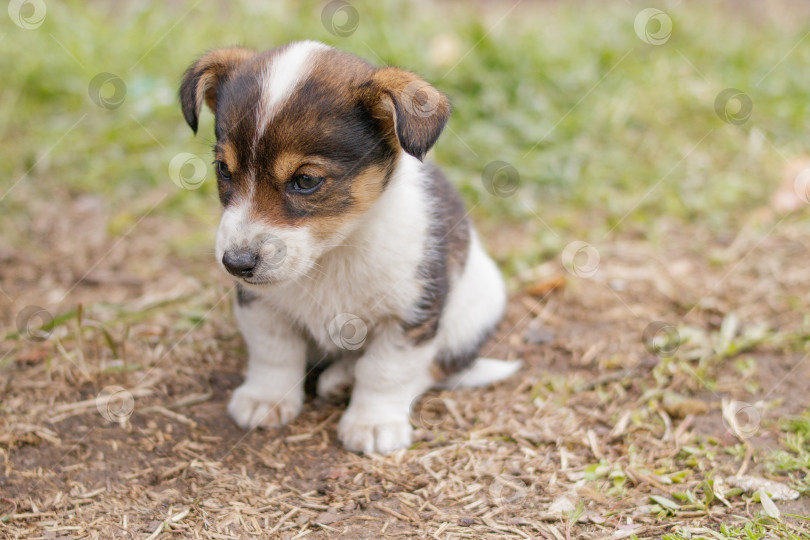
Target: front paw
x,y
252,407
360,433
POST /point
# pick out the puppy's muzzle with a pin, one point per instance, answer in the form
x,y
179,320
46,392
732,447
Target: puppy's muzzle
x,y
240,262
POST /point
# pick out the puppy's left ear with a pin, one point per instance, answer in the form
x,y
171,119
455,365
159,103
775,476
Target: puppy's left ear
x,y
204,77
411,112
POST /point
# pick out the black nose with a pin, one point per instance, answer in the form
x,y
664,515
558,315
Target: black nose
x,y
240,262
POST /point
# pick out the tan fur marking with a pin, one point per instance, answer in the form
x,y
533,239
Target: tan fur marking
x,y
366,189
288,164
227,153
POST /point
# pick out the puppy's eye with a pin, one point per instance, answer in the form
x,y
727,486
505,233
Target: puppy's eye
x,y
306,184
222,170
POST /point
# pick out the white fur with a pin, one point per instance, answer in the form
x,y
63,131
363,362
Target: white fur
x,y
298,249
336,381
482,372
388,378
272,393
284,74
367,269
477,300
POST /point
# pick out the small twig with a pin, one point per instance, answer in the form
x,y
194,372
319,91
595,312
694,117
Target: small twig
x,y
165,523
169,414
389,511
6,517
749,453
594,443
281,521
92,403
191,399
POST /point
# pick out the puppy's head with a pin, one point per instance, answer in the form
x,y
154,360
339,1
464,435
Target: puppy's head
x,y
307,140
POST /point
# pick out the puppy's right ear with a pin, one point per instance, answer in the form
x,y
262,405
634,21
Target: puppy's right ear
x,y
203,78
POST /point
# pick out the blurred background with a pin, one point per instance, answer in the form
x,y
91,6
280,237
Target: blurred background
x,y
595,119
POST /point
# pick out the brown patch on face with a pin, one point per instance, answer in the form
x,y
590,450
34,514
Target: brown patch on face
x,y
322,130
227,153
355,117
345,121
227,188
289,164
365,189
338,202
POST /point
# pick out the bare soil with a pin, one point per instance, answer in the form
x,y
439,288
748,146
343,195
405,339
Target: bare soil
x,y
510,461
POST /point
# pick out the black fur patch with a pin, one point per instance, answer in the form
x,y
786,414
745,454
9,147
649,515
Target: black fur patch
x,y
323,117
244,297
449,363
446,256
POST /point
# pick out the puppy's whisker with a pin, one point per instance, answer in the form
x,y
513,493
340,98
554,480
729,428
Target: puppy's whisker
x,y
352,246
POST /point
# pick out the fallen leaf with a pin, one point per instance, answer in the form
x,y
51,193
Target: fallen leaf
x,y
542,288
664,502
768,505
561,505
751,484
678,406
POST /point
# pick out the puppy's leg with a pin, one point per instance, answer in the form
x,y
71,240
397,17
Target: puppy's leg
x,y
335,383
388,378
273,391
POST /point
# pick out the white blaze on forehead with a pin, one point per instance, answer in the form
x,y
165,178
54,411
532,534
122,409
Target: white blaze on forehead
x,y
285,72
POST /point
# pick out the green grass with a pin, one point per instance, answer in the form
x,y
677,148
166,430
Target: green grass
x,y
604,129
762,528
794,457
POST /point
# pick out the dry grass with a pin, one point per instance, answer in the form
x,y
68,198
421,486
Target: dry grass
x,y
596,424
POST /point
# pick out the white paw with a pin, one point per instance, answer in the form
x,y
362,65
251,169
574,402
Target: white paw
x,y
252,407
335,383
364,435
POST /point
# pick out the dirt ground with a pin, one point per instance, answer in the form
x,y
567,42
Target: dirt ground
x,y
596,418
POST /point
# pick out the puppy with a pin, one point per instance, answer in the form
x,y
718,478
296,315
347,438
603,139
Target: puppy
x,y
341,239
